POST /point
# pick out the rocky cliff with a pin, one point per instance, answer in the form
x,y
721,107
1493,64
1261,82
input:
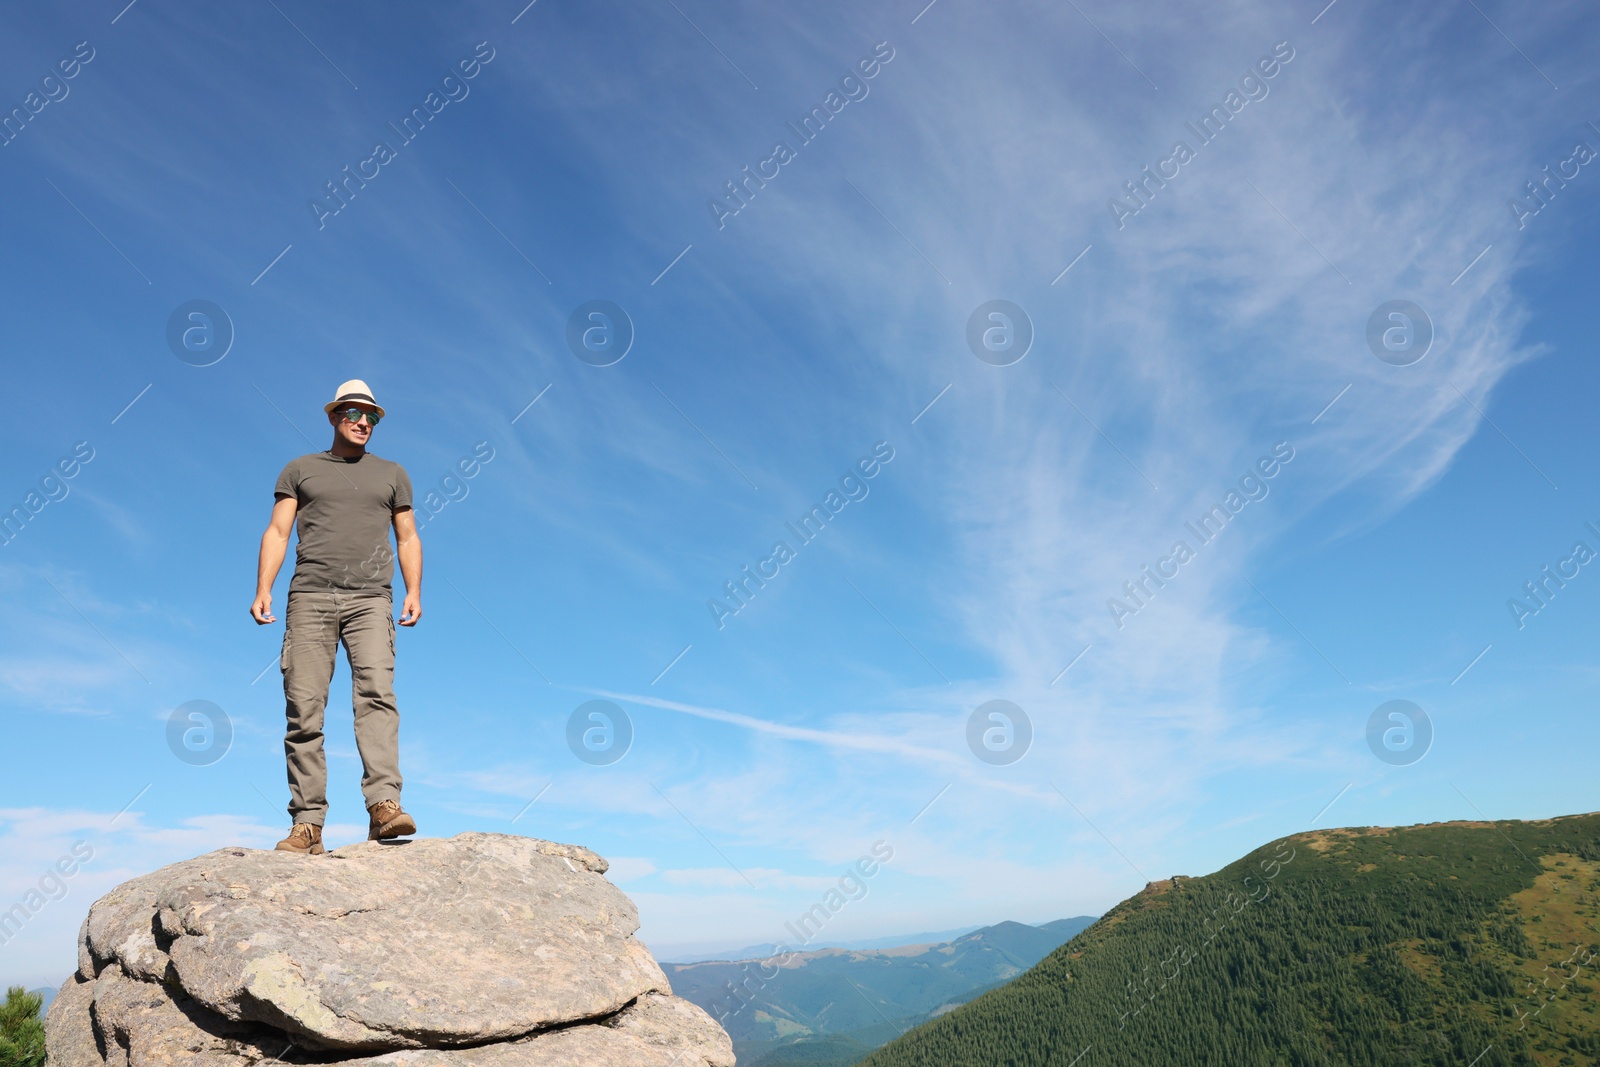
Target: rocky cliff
x,y
483,950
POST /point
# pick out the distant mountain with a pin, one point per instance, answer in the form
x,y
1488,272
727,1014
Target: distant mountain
x,y
761,952
1424,945
47,995
834,1005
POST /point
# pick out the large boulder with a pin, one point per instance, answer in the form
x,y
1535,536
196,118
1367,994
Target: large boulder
x,y
484,949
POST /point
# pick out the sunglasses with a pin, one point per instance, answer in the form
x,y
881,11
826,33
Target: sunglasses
x,y
356,415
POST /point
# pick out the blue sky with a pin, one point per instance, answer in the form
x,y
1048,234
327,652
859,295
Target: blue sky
x,y
770,354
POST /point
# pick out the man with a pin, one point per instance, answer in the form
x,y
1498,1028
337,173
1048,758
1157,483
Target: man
x,y
345,500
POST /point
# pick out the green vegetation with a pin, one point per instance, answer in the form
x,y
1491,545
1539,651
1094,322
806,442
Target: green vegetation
x,y
21,1031
1423,945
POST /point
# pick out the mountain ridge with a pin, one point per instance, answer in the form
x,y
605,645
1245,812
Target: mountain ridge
x,y
798,1005
762,951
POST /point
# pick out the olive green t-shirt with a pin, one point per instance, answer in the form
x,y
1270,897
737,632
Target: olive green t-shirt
x,y
346,507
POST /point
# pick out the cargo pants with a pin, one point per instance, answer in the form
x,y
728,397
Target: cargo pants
x,y
316,624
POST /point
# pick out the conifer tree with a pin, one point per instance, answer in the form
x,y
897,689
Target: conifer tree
x,y
21,1030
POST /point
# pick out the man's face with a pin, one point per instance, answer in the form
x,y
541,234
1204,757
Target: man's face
x,y
355,433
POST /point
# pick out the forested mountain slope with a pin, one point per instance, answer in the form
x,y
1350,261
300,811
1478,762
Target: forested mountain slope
x,y
1429,945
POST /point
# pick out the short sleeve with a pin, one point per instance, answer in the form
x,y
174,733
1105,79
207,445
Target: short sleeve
x,y
289,481
402,488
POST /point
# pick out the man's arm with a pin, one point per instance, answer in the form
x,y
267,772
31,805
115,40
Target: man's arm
x,y
408,549
274,546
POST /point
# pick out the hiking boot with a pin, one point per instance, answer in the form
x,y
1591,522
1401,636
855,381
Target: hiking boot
x,y
389,821
304,838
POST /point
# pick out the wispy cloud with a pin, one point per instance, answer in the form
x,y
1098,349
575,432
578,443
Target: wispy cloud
x,y
826,738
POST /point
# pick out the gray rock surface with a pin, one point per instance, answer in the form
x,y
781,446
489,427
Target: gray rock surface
x,y
69,1027
485,950
145,1024
120,928
656,1031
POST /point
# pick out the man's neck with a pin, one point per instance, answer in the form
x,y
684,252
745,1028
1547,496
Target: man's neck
x,y
345,450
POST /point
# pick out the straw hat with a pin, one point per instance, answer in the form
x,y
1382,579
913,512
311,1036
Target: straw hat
x,y
354,390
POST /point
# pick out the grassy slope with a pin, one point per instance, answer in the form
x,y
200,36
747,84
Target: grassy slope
x,y
1421,945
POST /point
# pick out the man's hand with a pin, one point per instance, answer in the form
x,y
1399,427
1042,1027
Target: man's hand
x,y
410,610
261,610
